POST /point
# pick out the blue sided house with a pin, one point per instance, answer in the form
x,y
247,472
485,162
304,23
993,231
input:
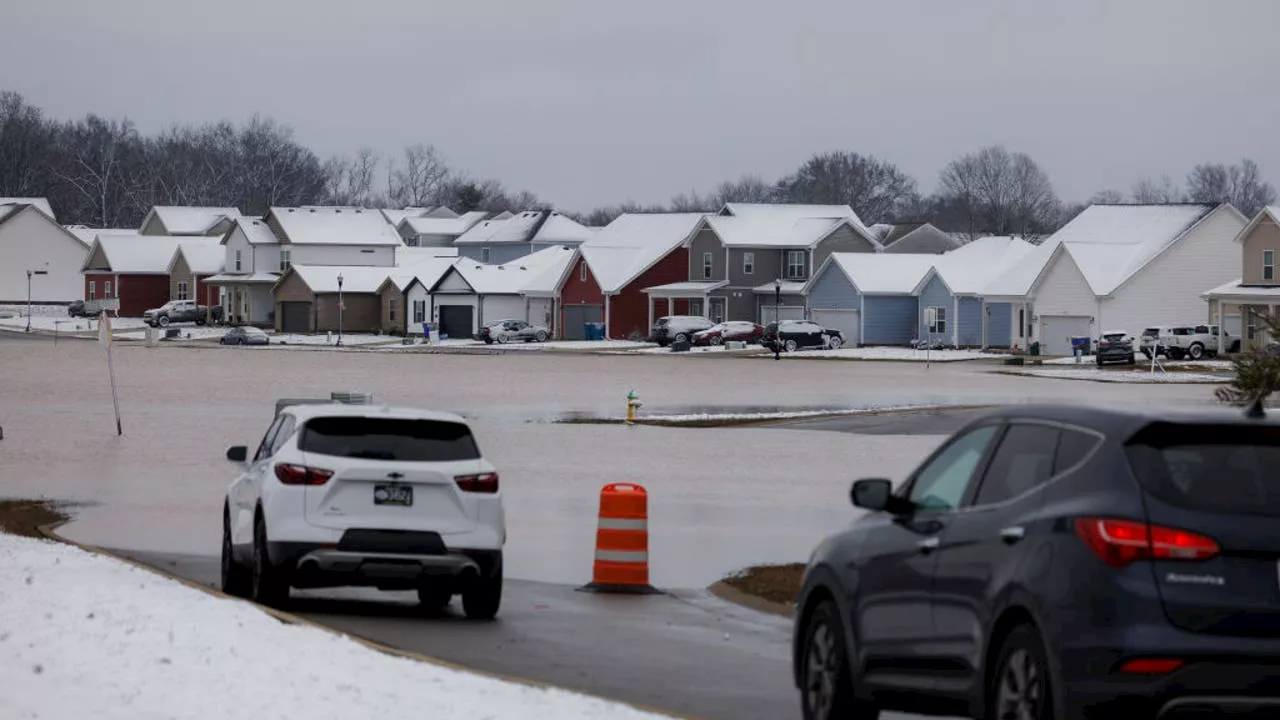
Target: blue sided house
x,y
952,307
869,297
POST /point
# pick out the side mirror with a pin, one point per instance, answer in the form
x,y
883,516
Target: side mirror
x,y
238,453
877,494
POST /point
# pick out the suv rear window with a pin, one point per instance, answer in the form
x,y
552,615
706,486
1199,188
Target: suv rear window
x,y
1226,468
389,439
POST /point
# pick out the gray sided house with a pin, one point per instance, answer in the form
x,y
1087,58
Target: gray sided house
x,y
870,298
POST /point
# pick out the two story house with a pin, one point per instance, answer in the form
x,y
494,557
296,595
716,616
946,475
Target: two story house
x,y
751,261
497,241
1236,305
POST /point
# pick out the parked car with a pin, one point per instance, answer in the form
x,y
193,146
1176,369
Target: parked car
x,y
505,331
357,495
1208,335
1055,562
77,309
181,311
796,334
677,328
245,335
733,331
1115,346
1179,341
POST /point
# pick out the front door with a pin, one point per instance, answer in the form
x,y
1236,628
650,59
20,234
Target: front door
x,y
717,314
894,611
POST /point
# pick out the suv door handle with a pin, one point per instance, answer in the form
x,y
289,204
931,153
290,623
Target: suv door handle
x,y
1013,534
928,545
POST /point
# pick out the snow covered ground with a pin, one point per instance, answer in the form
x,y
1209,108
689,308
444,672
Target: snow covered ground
x,y
348,339
89,636
894,353
1096,374
1144,363
697,350
37,310
63,324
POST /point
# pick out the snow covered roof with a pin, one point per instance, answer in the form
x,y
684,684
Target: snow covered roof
x,y
624,249
204,256
1109,243
778,232
406,256
547,282
482,232
970,268
136,254
41,203
86,235
690,288
1237,289
788,287
257,231
334,226
237,279
881,273
794,211
562,230
540,226
355,279
395,217
454,226
511,278
426,270
187,220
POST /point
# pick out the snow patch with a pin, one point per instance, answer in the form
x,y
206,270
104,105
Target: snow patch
x,y
895,353
1122,376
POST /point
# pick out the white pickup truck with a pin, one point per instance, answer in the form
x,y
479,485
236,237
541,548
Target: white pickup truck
x,y
1186,341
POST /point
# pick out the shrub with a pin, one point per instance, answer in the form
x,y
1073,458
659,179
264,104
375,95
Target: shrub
x,y
1257,372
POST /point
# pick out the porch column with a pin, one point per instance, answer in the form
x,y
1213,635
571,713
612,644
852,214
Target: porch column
x,y
1271,313
606,317
955,326
986,322
650,311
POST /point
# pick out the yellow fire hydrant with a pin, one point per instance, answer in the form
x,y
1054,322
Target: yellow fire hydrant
x,y
633,402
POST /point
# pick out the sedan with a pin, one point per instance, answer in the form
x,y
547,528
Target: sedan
x,y
734,331
505,331
793,335
245,335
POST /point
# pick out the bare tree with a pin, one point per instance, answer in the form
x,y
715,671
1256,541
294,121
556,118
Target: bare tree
x,y
1107,197
1241,185
876,190
693,202
97,157
417,178
349,181
746,189
1150,191
26,141
1001,193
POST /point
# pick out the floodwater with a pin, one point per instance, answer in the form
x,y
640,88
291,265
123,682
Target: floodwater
x,y
719,499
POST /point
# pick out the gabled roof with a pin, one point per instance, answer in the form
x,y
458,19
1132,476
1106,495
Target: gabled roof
x,y
454,226
919,238
12,212
256,230
395,217
323,279
1109,243
548,282
188,220
41,204
562,230
204,256
793,210
334,226
511,278
426,271
1270,211
879,273
87,234
531,226
969,269
624,249
779,220
135,254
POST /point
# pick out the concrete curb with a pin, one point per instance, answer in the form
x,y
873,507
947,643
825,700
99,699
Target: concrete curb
x,y
730,594
51,532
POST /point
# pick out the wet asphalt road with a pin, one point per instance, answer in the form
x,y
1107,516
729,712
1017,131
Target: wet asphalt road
x,y
915,422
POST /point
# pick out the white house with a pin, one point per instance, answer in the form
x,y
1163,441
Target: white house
x,y
409,287
472,294
437,231
1120,267
31,240
251,266
333,236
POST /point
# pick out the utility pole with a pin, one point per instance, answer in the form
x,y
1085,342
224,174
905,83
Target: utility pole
x,y
777,319
29,274
340,309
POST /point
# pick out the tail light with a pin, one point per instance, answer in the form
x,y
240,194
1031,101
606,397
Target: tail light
x,y
482,483
302,475
1120,542
1151,666
1104,343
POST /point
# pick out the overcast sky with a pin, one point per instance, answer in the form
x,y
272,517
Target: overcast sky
x,y
589,102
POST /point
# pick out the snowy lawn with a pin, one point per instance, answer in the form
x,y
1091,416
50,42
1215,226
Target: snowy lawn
x,y
1179,365
86,636
189,332
695,350
37,310
348,339
896,354
63,324
1125,375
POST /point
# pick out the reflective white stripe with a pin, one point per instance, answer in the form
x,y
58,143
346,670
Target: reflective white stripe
x,y
623,524
628,556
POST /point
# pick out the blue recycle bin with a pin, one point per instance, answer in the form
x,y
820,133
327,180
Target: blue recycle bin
x,y
593,331
426,332
1080,346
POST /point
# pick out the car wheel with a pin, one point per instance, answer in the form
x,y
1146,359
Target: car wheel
x,y
237,580
1100,362
488,340
1196,351
163,321
1133,360
481,600
789,346
540,337
502,339
270,586
1021,686
1146,354
681,337
434,598
662,343
1173,354
827,691
716,340
835,342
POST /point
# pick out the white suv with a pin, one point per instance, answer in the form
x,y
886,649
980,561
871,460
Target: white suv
x,y
342,495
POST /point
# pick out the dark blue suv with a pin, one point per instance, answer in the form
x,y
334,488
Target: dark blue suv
x,y
1056,563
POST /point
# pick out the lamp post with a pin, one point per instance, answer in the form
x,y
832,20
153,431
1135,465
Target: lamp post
x,y
777,319
29,274
339,309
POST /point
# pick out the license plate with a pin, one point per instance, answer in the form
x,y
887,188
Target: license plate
x,y
399,495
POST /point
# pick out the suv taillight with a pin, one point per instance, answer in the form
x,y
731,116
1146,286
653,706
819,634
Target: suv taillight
x,y
302,475
482,483
1120,542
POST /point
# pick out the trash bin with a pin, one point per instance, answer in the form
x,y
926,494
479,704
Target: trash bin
x,y
1035,348
426,332
593,331
1080,346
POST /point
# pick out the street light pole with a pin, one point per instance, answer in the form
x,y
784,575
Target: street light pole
x,y
29,274
339,309
777,319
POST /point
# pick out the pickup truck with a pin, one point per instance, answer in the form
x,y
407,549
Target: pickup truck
x,y
1191,341
180,311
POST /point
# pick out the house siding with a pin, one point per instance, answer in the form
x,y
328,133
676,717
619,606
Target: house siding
x,y
1000,319
1265,236
1064,291
361,313
629,308
577,292
936,294
844,239
499,254
1168,289
153,226
29,240
400,323
969,322
706,241
137,293
889,319
376,256
291,289
180,274
832,290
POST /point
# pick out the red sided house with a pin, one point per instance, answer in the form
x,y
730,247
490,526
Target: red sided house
x,y
635,251
131,268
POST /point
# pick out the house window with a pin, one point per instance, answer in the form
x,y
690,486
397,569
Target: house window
x,y
106,289
484,255
411,242
939,325
93,290
391,310
182,291
1251,326
748,263
582,271
1022,323
238,266
419,311
707,260
1268,264
286,260
795,264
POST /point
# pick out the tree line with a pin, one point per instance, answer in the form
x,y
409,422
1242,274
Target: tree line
x,y
105,173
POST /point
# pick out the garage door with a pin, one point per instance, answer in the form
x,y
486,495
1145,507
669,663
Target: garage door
x,y
1056,332
577,316
846,321
789,312
295,317
456,321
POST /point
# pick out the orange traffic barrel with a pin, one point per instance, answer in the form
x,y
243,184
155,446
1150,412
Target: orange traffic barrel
x,y
622,541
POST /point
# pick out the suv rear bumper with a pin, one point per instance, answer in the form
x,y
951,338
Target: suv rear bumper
x,y
1199,689
385,565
